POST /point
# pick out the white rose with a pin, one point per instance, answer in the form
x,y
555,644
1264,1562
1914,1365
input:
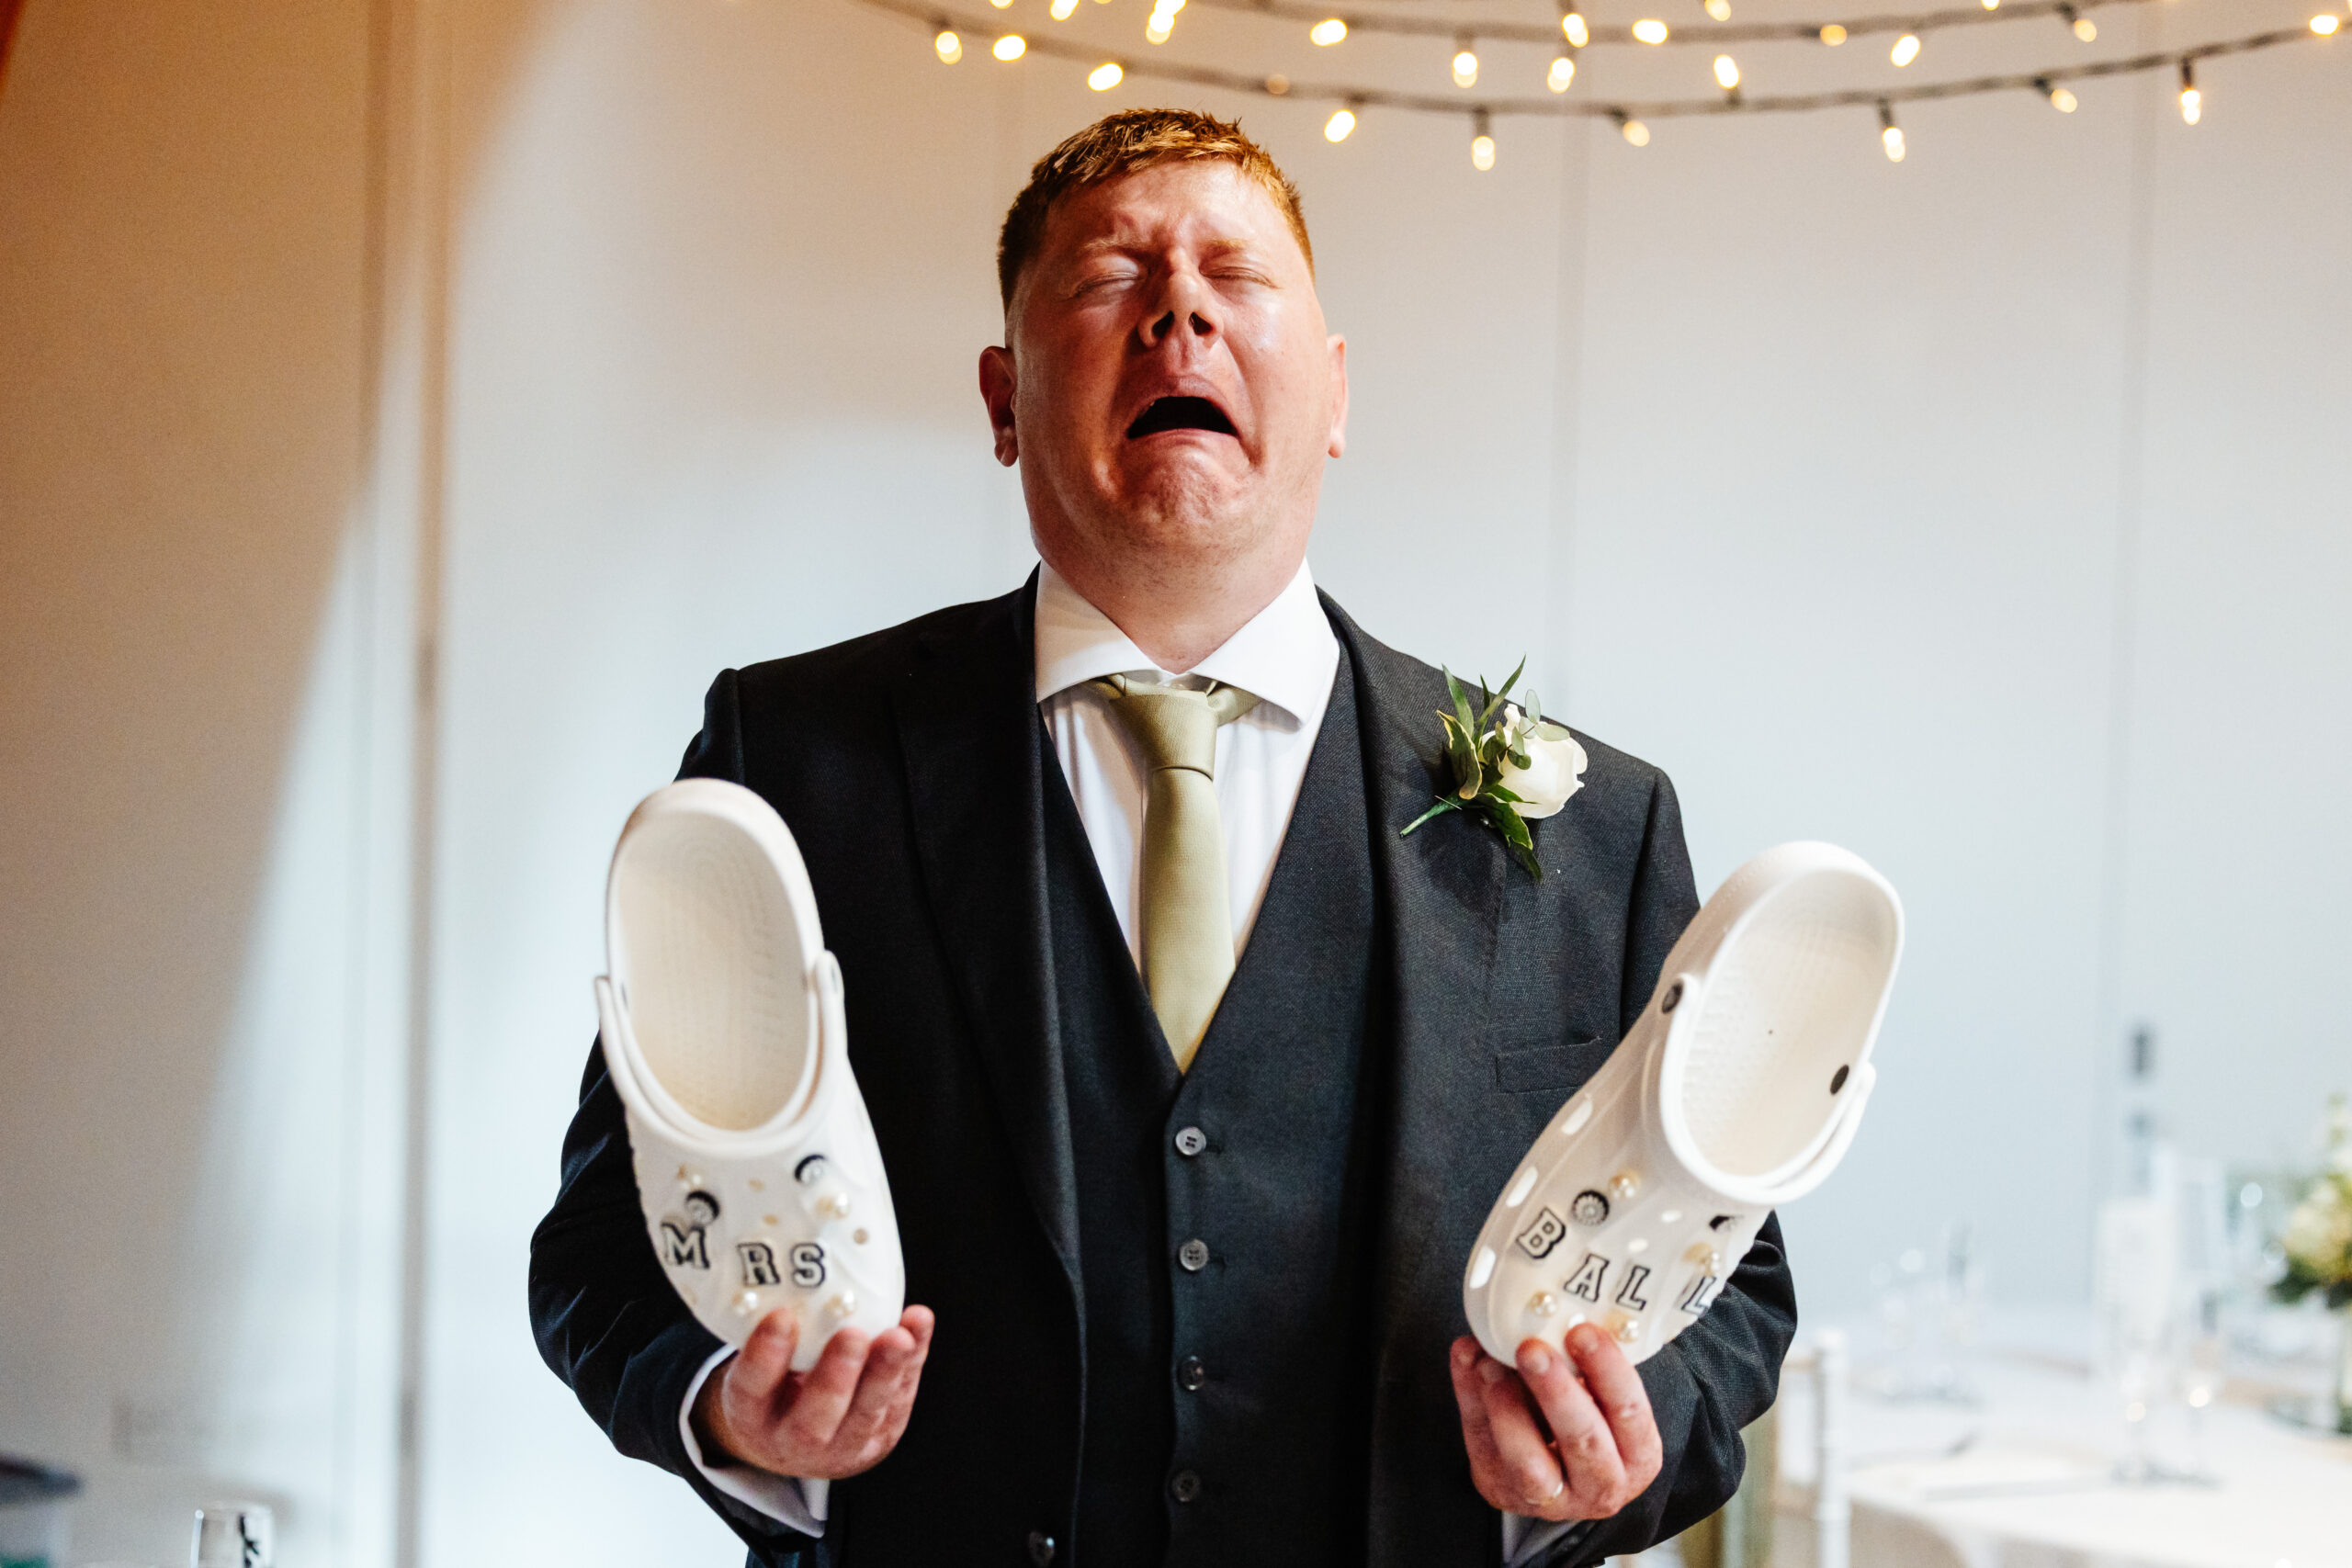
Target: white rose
x,y
1555,770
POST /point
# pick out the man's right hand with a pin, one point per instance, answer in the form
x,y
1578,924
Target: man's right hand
x,y
838,1419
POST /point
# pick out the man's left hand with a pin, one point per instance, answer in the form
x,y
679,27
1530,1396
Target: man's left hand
x,y
1560,1438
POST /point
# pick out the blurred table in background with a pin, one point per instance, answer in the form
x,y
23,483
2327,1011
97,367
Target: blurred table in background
x,y
2025,1478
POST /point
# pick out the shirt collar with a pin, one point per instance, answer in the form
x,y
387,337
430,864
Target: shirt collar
x,y
1285,654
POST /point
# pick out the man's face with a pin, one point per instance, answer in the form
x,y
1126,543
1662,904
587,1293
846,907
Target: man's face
x,y
1168,387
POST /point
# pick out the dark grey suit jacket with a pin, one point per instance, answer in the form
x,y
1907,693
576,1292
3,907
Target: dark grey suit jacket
x,y
907,763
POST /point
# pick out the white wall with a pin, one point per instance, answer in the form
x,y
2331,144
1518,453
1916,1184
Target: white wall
x,y
197,1177
1984,513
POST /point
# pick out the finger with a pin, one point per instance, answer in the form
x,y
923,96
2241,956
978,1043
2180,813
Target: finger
x,y
1579,1432
826,1389
759,1370
1478,1432
918,1320
1616,1388
878,1387
1529,1472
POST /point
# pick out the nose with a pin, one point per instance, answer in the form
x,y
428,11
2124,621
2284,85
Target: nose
x,y
1186,310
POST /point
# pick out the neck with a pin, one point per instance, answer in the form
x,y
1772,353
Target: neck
x,y
1179,613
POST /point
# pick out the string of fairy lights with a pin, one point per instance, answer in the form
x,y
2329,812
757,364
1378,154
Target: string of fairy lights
x,y
1574,33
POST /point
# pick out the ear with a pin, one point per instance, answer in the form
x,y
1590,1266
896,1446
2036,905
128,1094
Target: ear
x,y
997,382
1339,444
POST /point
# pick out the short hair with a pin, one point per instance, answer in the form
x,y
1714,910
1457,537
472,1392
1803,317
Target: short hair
x,y
1126,143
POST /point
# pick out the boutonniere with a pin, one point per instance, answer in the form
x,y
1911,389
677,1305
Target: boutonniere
x,y
1509,767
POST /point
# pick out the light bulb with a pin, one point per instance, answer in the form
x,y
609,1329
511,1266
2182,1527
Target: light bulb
x,y
2086,30
1563,72
2326,24
1833,35
1105,77
1062,8
1992,5
1726,73
1465,70
1012,46
1719,9
1893,136
1329,30
1278,85
950,47
1336,128
1482,153
1000,4
1649,30
2192,104
1636,133
1157,30
1572,28
1905,50
2063,101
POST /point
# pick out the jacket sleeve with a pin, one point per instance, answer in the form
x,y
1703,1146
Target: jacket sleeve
x,y
1723,1371
606,1321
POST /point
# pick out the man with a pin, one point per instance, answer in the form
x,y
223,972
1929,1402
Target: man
x,y
1192,1096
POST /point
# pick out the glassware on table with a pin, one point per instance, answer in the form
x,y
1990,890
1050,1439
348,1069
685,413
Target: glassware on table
x,y
1928,1319
2204,1275
232,1535
2133,1283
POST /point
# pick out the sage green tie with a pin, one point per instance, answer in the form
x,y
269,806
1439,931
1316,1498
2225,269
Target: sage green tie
x,y
1187,924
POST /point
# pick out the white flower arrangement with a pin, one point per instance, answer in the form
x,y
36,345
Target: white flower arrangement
x,y
1509,767
2318,1238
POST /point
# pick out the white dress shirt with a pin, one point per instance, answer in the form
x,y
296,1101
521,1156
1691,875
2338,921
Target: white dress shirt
x,y
1286,656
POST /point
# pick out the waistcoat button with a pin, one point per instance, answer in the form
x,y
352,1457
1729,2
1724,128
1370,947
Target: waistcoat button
x,y
1190,1373
1041,1548
1191,1142
1184,1487
1193,1254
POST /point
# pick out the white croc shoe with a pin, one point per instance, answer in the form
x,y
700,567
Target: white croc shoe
x,y
1737,1090
723,1031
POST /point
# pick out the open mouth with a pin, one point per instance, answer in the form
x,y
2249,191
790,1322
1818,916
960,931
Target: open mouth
x,y
1179,413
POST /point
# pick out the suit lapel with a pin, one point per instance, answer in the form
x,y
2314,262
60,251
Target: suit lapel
x,y
1445,892
969,731
1442,895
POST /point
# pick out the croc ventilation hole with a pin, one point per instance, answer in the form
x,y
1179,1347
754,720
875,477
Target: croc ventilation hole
x,y
1787,1008
720,1013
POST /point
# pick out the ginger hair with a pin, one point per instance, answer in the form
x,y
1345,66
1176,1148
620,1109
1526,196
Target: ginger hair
x,y
1126,144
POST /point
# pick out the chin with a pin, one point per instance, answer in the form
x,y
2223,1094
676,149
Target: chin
x,y
1182,517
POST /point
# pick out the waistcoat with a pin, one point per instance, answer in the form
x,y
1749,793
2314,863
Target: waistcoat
x,y
1222,1216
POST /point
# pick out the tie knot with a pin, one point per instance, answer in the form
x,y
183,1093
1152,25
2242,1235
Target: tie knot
x,y
1174,726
